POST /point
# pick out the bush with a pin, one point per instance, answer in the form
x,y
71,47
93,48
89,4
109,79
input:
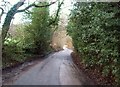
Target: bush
x,y
12,52
38,31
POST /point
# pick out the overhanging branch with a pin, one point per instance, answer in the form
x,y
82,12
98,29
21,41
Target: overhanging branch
x,y
34,5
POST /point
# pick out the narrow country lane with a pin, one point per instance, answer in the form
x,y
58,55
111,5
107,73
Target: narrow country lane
x,y
57,69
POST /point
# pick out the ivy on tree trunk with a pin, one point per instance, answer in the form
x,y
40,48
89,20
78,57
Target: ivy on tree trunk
x,y
9,17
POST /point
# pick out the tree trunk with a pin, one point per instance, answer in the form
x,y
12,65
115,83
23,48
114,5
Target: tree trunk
x,y
9,17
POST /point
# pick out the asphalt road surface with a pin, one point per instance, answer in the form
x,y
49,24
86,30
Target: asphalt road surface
x,y
57,69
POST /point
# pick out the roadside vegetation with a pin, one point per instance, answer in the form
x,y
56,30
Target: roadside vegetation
x,y
93,26
31,38
95,30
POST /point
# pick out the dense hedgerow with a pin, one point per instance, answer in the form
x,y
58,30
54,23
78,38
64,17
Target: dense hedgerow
x,y
95,30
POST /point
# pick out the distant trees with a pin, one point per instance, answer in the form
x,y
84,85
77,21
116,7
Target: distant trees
x,y
95,29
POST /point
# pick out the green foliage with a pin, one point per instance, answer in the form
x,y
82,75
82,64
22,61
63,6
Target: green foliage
x,y
95,29
12,52
31,38
37,33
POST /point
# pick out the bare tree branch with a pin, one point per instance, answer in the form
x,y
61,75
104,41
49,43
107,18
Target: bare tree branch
x,y
1,13
59,7
34,5
25,8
